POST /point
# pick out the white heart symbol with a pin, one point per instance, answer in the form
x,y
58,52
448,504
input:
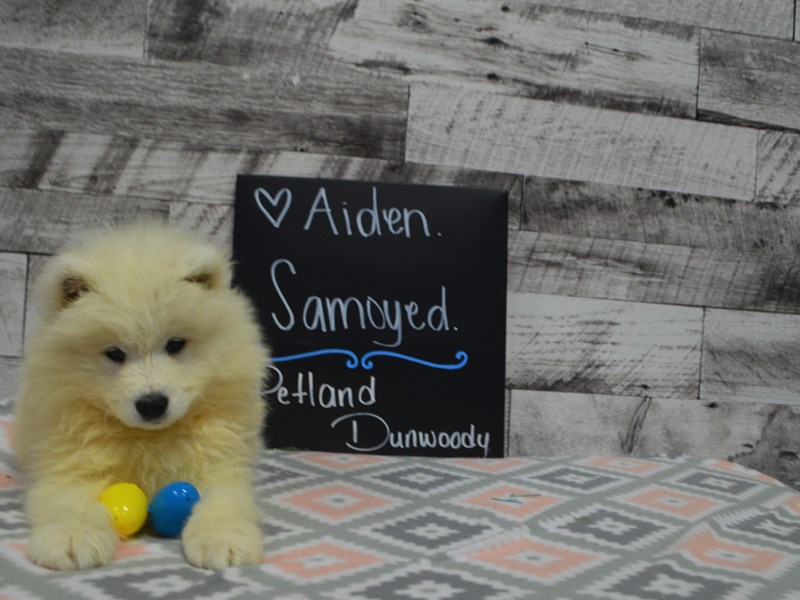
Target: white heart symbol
x,y
283,194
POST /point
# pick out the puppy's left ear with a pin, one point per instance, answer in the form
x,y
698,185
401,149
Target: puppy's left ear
x,y
63,280
209,268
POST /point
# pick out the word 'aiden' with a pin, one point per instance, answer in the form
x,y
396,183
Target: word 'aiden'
x,y
366,222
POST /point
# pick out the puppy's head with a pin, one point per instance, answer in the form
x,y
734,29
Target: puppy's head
x,y
141,324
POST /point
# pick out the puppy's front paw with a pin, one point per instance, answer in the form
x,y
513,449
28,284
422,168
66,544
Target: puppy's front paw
x,y
66,546
226,542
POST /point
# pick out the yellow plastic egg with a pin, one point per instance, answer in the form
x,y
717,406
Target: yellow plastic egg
x,y
128,507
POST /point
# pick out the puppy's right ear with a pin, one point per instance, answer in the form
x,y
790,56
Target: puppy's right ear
x,y
209,268
62,281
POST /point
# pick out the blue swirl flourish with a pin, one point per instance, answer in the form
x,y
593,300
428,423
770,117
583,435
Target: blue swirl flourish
x,y
366,360
461,357
351,363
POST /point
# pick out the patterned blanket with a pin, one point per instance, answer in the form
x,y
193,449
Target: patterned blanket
x,y
355,527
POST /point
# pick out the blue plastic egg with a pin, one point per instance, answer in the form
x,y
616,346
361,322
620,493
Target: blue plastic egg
x,y
171,506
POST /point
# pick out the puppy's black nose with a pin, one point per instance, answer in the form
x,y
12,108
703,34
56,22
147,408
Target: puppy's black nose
x,y
152,406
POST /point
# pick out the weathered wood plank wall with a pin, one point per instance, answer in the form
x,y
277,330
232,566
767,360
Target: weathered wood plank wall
x,y
528,49
480,130
652,151
758,17
749,80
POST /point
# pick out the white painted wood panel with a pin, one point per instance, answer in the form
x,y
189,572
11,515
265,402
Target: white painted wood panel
x,y
751,357
751,80
582,345
9,376
212,221
771,18
527,49
778,178
106,27
559,423
765,437
175,171
612,212
35,221
461,128
36,263
555,423
13,273
290,37
777,451
199,103
147,168
660,273
24,155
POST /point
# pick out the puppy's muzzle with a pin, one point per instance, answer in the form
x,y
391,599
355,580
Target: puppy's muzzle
x,y
152,407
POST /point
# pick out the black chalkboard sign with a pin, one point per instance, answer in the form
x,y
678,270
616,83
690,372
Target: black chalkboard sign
x,y
384,305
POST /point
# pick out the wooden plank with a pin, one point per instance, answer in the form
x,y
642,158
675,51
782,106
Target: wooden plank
x,y
557,423
778,177
777,451
13,273
25,156
107,164
497,133
560,423
507,426
765,437
751,357
749,80
602,347
711,429
231,32
595,210
123,165
762,436
771,18
40,222
200,102
634,271
527,49
212,221
9,376
90,26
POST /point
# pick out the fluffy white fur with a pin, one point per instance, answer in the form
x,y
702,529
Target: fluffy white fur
x,y
77,429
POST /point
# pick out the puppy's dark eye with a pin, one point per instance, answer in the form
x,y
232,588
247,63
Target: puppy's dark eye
x,y
175,345
116,355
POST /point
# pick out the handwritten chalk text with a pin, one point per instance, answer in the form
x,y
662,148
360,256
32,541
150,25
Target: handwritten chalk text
x,y
308,391
330,314
366,222
366,425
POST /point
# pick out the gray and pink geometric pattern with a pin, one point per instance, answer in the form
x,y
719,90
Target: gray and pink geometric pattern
x,y
365,527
